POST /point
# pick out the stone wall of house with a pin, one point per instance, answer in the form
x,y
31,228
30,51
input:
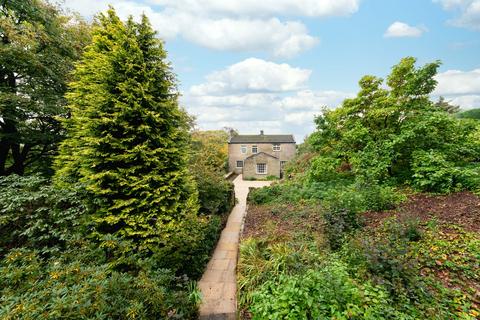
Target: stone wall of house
x,y
286,153
250,167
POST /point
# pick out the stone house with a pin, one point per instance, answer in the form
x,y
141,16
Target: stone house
x,y
260,156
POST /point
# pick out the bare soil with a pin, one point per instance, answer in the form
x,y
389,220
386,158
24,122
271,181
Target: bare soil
x,y
462,209
281,220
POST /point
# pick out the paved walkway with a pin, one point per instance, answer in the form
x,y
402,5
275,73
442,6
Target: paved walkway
x,y
219,284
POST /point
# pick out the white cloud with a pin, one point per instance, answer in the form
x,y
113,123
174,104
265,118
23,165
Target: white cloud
x,y
456,82
468,12
400,29
311,8
256,94
466,102
281,39
253,75
308,100
460,88
215,26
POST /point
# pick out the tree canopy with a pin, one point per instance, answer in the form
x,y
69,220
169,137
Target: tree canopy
x,y
396,132
38,47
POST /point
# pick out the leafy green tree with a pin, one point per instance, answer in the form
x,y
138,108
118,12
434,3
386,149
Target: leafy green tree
x,y
377,133
127,141
208,165
38,45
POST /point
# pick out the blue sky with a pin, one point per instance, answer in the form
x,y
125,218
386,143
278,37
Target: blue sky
x,y
273,64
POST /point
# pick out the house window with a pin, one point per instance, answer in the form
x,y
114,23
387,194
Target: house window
x,y
276,147
254,149
282,164
239,164
243,149
261,168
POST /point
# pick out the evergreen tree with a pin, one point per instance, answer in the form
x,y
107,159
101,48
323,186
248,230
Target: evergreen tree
x,y
127,140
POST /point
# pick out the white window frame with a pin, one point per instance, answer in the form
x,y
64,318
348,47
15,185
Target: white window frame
x,y
276,147
243,148
266,168
237,162
256,149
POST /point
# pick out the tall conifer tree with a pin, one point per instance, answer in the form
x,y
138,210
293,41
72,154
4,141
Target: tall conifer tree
x,y
127,137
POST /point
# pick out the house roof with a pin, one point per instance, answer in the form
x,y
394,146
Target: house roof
x,y
262,138
257,154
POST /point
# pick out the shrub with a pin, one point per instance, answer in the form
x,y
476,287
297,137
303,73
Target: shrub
x,y
266,194
260,261
71,289
323,169
215,194
384,256
432,172
36,215
324,293
379,197
339,224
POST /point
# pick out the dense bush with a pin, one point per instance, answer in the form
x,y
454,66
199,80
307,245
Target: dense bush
x,y
50,270
36,215
389,257
325,293
207,165
69,288
396,134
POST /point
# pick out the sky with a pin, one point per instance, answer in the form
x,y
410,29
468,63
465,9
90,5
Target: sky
x,y
273,65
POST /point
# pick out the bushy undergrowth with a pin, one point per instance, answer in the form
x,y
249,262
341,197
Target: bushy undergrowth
x,y
35,215
388,139
374,275
75,286
51,270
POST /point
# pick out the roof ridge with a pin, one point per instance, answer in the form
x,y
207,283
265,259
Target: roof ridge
x,y
256,154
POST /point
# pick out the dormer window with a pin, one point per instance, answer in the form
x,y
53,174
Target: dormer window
x,y
254,149
276,147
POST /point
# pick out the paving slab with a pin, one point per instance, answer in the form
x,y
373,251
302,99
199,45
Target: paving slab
x,y
219,284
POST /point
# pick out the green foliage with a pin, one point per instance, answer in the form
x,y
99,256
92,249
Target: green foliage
x,y
323,169
38,49
394,257
36,215
386,259
70,288
261,261
469,114
384,133
210,147
454,251
207,164
127,141
325,293
432,172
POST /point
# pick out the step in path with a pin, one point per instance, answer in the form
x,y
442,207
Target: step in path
x,y
219,284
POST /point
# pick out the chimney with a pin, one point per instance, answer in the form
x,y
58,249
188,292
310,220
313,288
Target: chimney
x,y
261,132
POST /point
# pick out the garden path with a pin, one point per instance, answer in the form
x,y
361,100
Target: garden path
x,y
219,284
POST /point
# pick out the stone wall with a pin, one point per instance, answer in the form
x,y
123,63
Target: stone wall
x,y
286,153
250,167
